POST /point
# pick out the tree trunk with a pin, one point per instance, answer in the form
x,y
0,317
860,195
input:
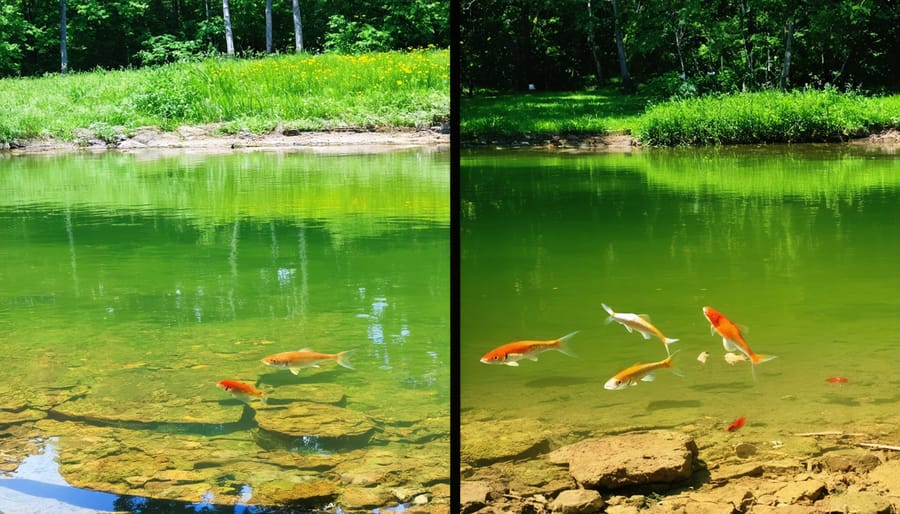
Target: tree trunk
x,y
788,39
229,38
63,53
268,26
620,47
593,45
748,46
298,26
679,34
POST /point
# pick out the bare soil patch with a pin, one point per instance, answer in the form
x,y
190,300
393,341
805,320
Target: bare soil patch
x,y
207,138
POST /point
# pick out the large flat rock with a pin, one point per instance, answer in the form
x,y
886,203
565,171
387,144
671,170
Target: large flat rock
x,y
654,457
319,420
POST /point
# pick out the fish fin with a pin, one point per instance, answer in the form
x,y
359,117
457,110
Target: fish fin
x,y
532,358
729,346
743,328
645,317
264,400
759,358
608,310
649,377
563,344
669,340
342,359
646,335
305,350
712,329
295,371
627,328
511,363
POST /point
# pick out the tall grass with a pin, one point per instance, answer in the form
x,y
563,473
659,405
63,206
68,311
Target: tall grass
x,y
542,113
329,91
768,117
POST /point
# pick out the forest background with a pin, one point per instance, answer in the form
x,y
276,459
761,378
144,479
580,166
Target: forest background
x,y
112,34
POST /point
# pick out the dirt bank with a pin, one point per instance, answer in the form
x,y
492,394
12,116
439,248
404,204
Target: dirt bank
x,y
624,142
207,138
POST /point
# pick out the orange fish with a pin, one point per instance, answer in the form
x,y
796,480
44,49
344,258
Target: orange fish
x,y
305,358
241,391
638,372
511,353
639,322
836,380
738,423
731,336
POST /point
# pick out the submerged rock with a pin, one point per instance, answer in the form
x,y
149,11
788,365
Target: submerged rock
x,y
316,420
486,442
577,501
653,457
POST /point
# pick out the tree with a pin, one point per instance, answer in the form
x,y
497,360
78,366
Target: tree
x,y
63,52
268,26
229,37
620,47
298,26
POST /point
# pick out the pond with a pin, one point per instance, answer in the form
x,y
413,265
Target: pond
x,y
797,244
132,284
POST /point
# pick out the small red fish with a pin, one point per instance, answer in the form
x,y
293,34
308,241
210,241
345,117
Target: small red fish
x,y
241,391
738,423
836,380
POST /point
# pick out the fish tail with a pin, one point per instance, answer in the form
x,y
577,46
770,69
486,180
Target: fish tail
x,y
264,398
342,359
670,363
562,344
759,358
669,340
609,319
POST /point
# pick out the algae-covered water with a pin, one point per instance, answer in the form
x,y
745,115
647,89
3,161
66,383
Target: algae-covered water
x,y
130,284
798,244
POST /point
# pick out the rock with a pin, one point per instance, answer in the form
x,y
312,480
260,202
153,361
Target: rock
x,y
473,495
805,492
887,476
859,502
130,144
486,442
577,501
844,461
731,472
744,450
364,498
640,458
316,421
313,493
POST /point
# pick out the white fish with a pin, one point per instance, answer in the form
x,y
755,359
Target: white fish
x,y
639,322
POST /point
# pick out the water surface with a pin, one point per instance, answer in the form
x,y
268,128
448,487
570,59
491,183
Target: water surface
x,y
799,244
130,284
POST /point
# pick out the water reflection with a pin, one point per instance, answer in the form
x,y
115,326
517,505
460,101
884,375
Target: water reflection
x,y
132,287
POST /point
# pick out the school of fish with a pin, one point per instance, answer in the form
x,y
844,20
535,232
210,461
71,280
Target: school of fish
x,y
736,347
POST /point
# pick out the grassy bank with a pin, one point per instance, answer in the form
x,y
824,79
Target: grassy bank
x,y
321,92
763,117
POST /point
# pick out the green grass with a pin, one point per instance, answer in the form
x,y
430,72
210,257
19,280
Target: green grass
x,y
768,117
321,92
762,117
549,113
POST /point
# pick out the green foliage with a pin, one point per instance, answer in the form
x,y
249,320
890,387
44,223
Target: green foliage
x,y
327,91
355,37
115,34
543,114
768,117
166,49
722,47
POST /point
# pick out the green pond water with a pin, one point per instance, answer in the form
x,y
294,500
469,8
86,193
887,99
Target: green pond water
x,y
799,244
130,284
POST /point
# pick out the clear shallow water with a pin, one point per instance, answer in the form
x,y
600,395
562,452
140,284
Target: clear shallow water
x,y
131,284
799,244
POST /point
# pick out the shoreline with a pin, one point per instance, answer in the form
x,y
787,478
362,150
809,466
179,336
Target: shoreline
x,y
624,142
204,138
